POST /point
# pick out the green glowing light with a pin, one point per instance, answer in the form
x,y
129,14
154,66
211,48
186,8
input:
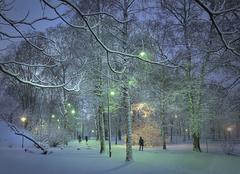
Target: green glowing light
x,y
112,93
73,111
142,54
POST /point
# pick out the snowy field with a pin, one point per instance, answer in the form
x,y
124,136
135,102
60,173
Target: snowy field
x,y
82,158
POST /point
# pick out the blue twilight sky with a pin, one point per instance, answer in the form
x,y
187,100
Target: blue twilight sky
x,y
19,10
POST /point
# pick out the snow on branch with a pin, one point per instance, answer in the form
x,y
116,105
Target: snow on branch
x,y
107,49
14,25
17,132
36,84
212,15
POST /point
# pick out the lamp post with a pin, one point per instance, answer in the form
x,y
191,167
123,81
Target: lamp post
x,y
112,93
24,121
229,130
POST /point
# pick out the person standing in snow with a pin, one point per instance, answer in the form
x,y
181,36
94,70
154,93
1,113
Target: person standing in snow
x,y
141,143
79,138
86,139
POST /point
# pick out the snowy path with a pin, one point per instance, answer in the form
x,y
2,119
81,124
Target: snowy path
x,y
88,161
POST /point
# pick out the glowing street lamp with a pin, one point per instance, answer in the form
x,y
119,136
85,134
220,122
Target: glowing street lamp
x,y
23,119
112,93
229,129
53,116
176,116
73,111
142,54
69,104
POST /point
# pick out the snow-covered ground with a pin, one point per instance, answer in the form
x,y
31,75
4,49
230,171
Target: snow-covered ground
x,y
85,159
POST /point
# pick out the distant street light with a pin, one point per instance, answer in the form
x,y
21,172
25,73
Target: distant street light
x,y
53,116
175,116
69,104
229,129
23,119
112,93
142,54
73,111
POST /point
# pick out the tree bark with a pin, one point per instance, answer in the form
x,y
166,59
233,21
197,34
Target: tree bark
x,y
196,142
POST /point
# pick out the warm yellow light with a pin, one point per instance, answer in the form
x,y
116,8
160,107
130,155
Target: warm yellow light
x,y
144,108
23,119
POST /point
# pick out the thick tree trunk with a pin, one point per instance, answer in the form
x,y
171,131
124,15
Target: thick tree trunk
x,y
196,142
164,141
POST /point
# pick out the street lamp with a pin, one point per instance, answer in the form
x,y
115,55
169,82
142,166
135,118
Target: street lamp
x,y
53,116
142,54
69,104
24,121
112,93
73,111
229,129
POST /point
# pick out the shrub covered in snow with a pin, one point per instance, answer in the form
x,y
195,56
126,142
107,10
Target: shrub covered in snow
x,y
53,137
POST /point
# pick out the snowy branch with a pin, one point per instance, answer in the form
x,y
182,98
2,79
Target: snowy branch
x,y
213,14
84,17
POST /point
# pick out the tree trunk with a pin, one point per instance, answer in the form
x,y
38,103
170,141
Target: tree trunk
x,y
102,130
164,141
100,86
196,142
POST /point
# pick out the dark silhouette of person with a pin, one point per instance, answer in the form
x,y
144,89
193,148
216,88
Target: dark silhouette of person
x,y
141,143
86,139
79,138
